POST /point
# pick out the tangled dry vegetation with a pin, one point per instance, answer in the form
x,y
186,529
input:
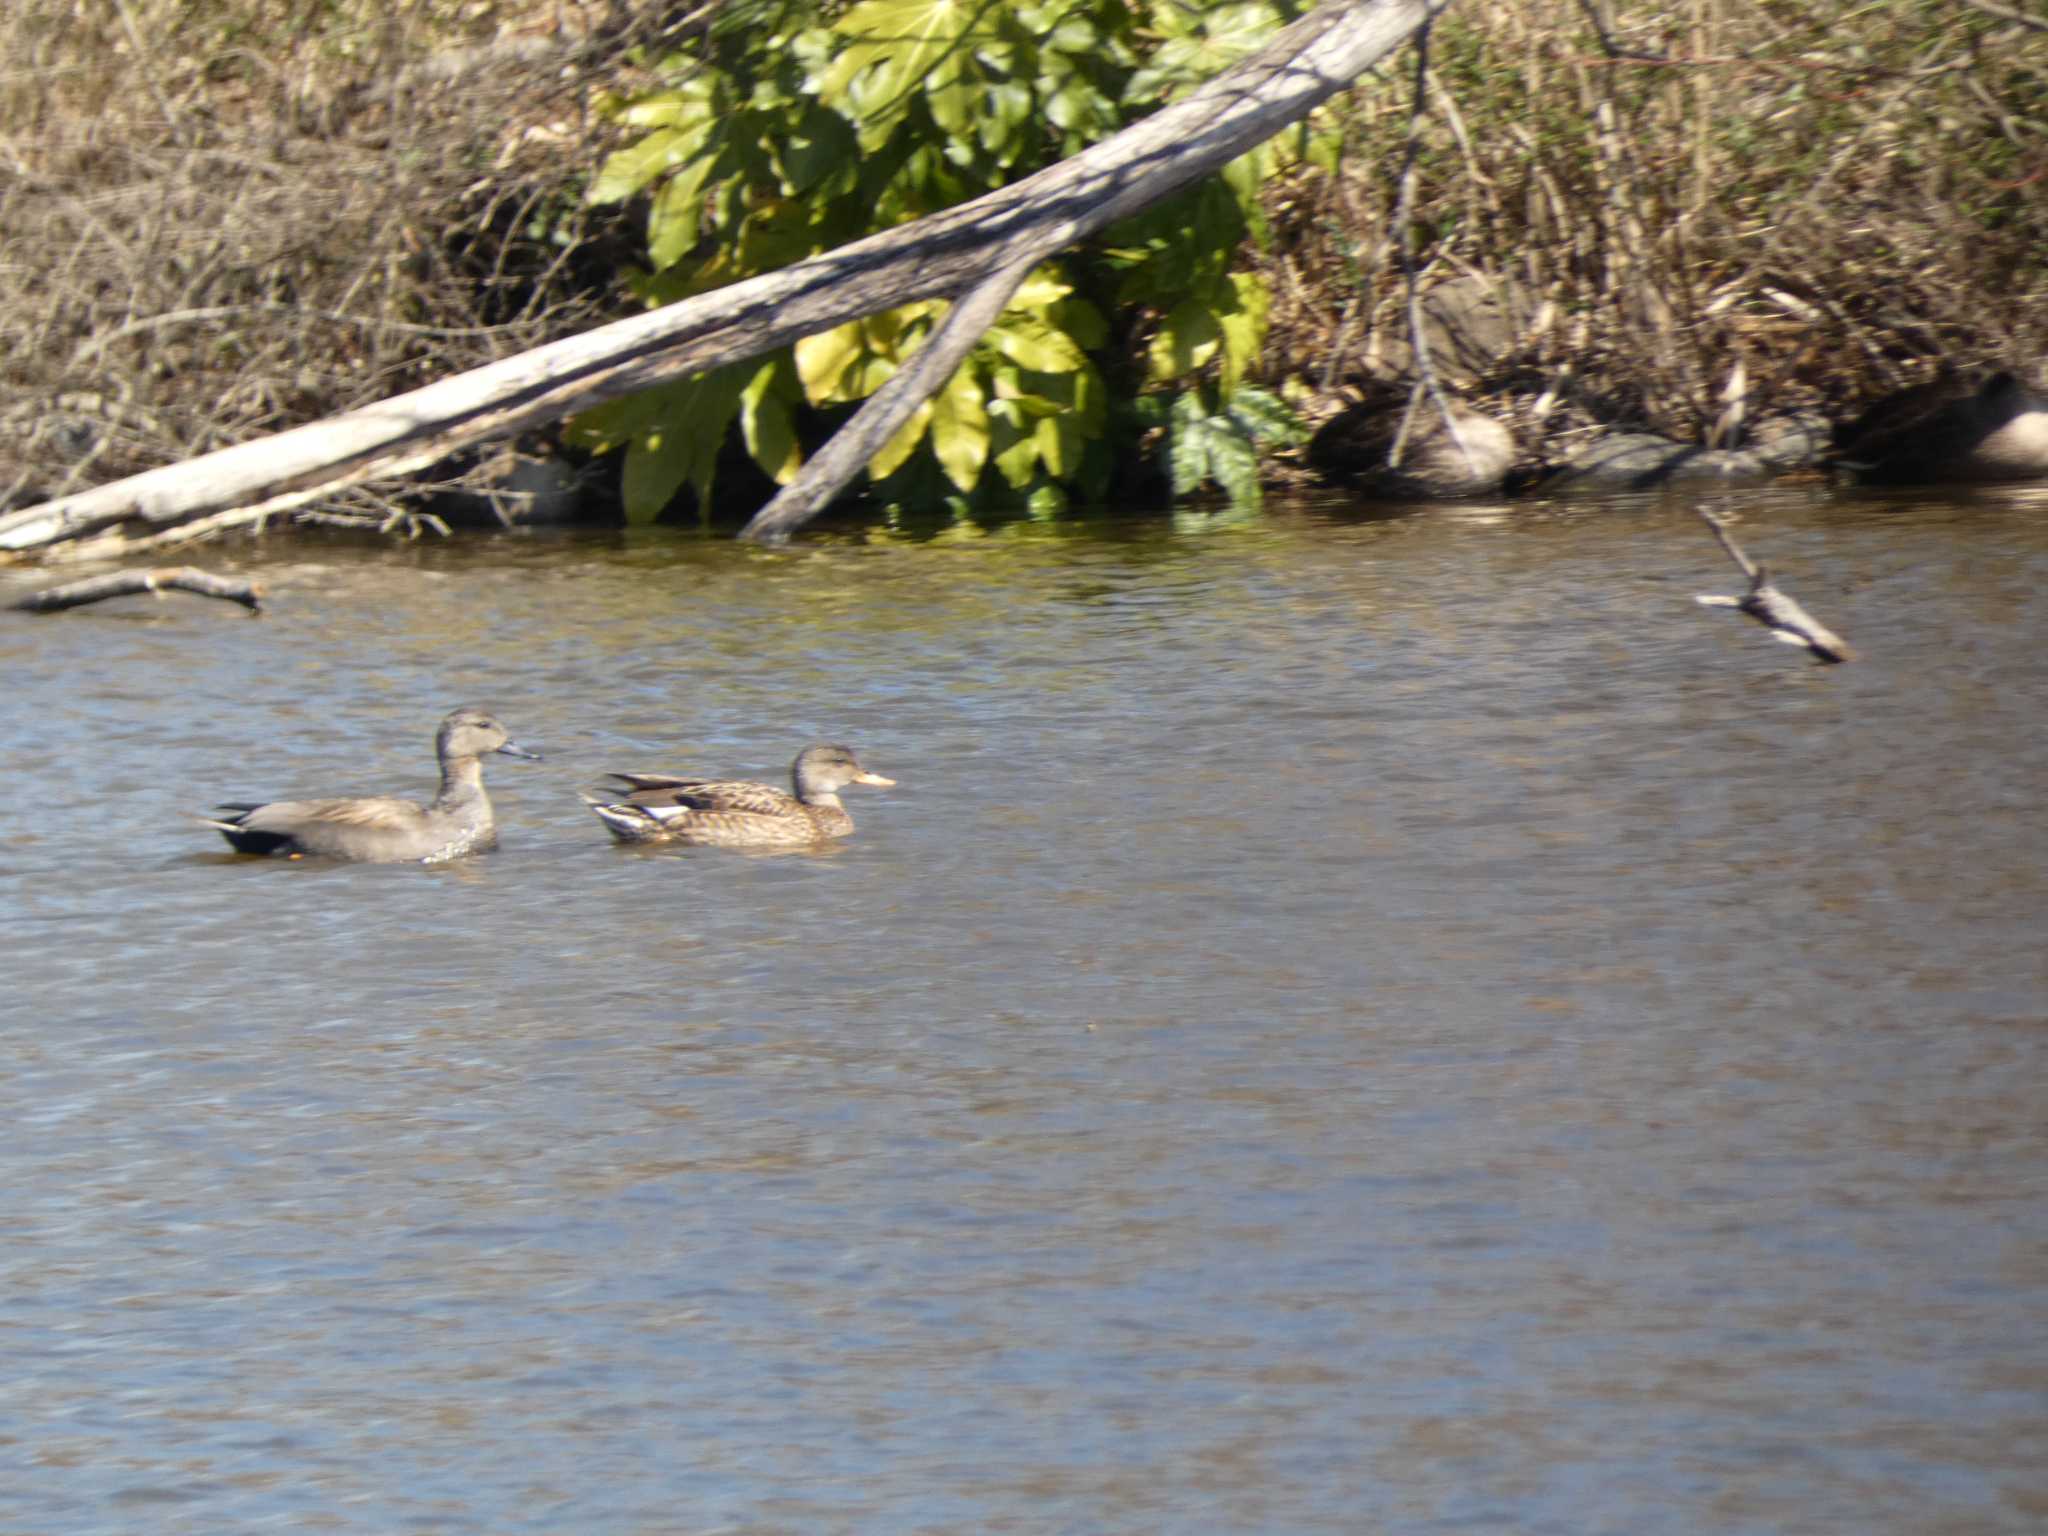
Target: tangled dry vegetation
x,y
229,218
1836,200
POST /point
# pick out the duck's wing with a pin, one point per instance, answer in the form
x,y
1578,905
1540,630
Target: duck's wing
x,y
656,791
376,812
374,827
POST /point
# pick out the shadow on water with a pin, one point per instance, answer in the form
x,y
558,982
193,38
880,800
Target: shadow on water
x,y
1348,1021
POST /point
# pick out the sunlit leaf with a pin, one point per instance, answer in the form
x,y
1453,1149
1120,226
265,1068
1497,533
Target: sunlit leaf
x,y
629,170
822,361
1041,289
1031,341
960,433
1011,446
895,48
1243,324
674,224
901,444
956,108
1186,340
1059,440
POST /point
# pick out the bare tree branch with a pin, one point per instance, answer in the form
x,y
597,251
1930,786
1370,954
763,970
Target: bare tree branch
x,y
185,578
1778,613
829,470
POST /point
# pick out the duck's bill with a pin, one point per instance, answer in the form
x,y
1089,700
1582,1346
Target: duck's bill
x,y
513,749
864,777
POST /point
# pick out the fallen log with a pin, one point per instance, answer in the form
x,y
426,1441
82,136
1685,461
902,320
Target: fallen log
x,y
1783,617
944,255
183,578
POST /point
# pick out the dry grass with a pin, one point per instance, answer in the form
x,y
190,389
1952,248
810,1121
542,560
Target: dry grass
x,y
227,218
1837,199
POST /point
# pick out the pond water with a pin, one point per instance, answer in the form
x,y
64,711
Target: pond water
x,y
1346,1023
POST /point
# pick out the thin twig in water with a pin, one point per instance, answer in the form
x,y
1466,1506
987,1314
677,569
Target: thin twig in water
x,y
1778,613
185,578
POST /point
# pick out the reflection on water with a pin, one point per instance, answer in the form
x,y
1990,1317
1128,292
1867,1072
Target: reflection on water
x,y
1345,1024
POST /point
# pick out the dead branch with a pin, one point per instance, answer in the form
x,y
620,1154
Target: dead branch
x,y
1780,614
946,254
1425,384
184,578
888,407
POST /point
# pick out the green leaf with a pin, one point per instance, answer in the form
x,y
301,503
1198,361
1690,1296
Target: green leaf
x,y
605,428
681,427
1242,321
627,171
960,431
1060,442
1012,449
765,418
1187,443
1265,418
819,148
1032,341
956,108
896,49
1046,501
1082,321
1187,339
901,444
1233,462
675,223
1205,447
657,464
823,362
1043,288
1079,110
1005,120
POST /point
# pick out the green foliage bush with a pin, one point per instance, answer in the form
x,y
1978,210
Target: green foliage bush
x,y
795,126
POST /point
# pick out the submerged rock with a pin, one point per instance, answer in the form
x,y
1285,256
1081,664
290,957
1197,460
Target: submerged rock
x,y
1635,461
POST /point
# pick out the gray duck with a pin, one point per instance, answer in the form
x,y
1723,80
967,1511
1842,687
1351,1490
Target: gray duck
x,y
386,830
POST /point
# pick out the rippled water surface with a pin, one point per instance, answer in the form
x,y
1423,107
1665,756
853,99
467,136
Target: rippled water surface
x,y
1394,1025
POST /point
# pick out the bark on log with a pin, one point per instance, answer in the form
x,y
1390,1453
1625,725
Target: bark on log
x,y
185,578
943,255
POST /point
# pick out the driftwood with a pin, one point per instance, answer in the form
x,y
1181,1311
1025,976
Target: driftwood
x,y
185,578
1783,617
949,254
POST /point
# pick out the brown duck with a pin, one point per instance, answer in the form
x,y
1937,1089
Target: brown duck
x,y
732,813
383,830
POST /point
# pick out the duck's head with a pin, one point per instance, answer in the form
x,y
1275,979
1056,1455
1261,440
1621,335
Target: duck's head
x,y
471,732
825,770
